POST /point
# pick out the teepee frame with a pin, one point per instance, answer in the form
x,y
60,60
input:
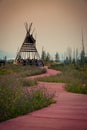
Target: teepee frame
x,y
28,49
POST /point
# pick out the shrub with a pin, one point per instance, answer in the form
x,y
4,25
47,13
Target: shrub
x,y
29,83
76,79
20,70
17,100
10,91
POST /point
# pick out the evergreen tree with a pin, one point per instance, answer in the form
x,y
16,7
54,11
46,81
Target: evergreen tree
x,y
82,56
76,55
57,57
48,57
69,54
66,61
43,55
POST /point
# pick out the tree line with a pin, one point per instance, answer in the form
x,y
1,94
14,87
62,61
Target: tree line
x,y
46,57
75,57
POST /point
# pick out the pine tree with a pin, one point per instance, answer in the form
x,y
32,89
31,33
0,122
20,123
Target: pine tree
x,y
48,57
57,57
43,55
82,56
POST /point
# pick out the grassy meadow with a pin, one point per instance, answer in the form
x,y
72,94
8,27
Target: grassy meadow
x,y
74,77
18,97
15,98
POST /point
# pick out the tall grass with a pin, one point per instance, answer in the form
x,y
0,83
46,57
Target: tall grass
x,y
28,83
76,79
21,70
17,100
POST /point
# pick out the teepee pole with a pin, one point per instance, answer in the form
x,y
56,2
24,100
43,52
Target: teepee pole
x,y
28,48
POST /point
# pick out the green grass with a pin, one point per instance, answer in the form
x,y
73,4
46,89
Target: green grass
x,y
76,79
29,83
16,98
20,70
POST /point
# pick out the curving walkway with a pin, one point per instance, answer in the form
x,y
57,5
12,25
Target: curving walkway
x,y
48,73
68,113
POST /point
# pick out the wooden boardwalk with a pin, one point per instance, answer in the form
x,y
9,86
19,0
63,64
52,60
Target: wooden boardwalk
x,y
68,113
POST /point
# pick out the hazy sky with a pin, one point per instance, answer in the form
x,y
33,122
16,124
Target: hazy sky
x,y
58,23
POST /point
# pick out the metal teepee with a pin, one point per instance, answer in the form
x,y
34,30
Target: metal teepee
x,y
28,53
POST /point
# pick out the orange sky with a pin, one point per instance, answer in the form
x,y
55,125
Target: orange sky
x,y
57,23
